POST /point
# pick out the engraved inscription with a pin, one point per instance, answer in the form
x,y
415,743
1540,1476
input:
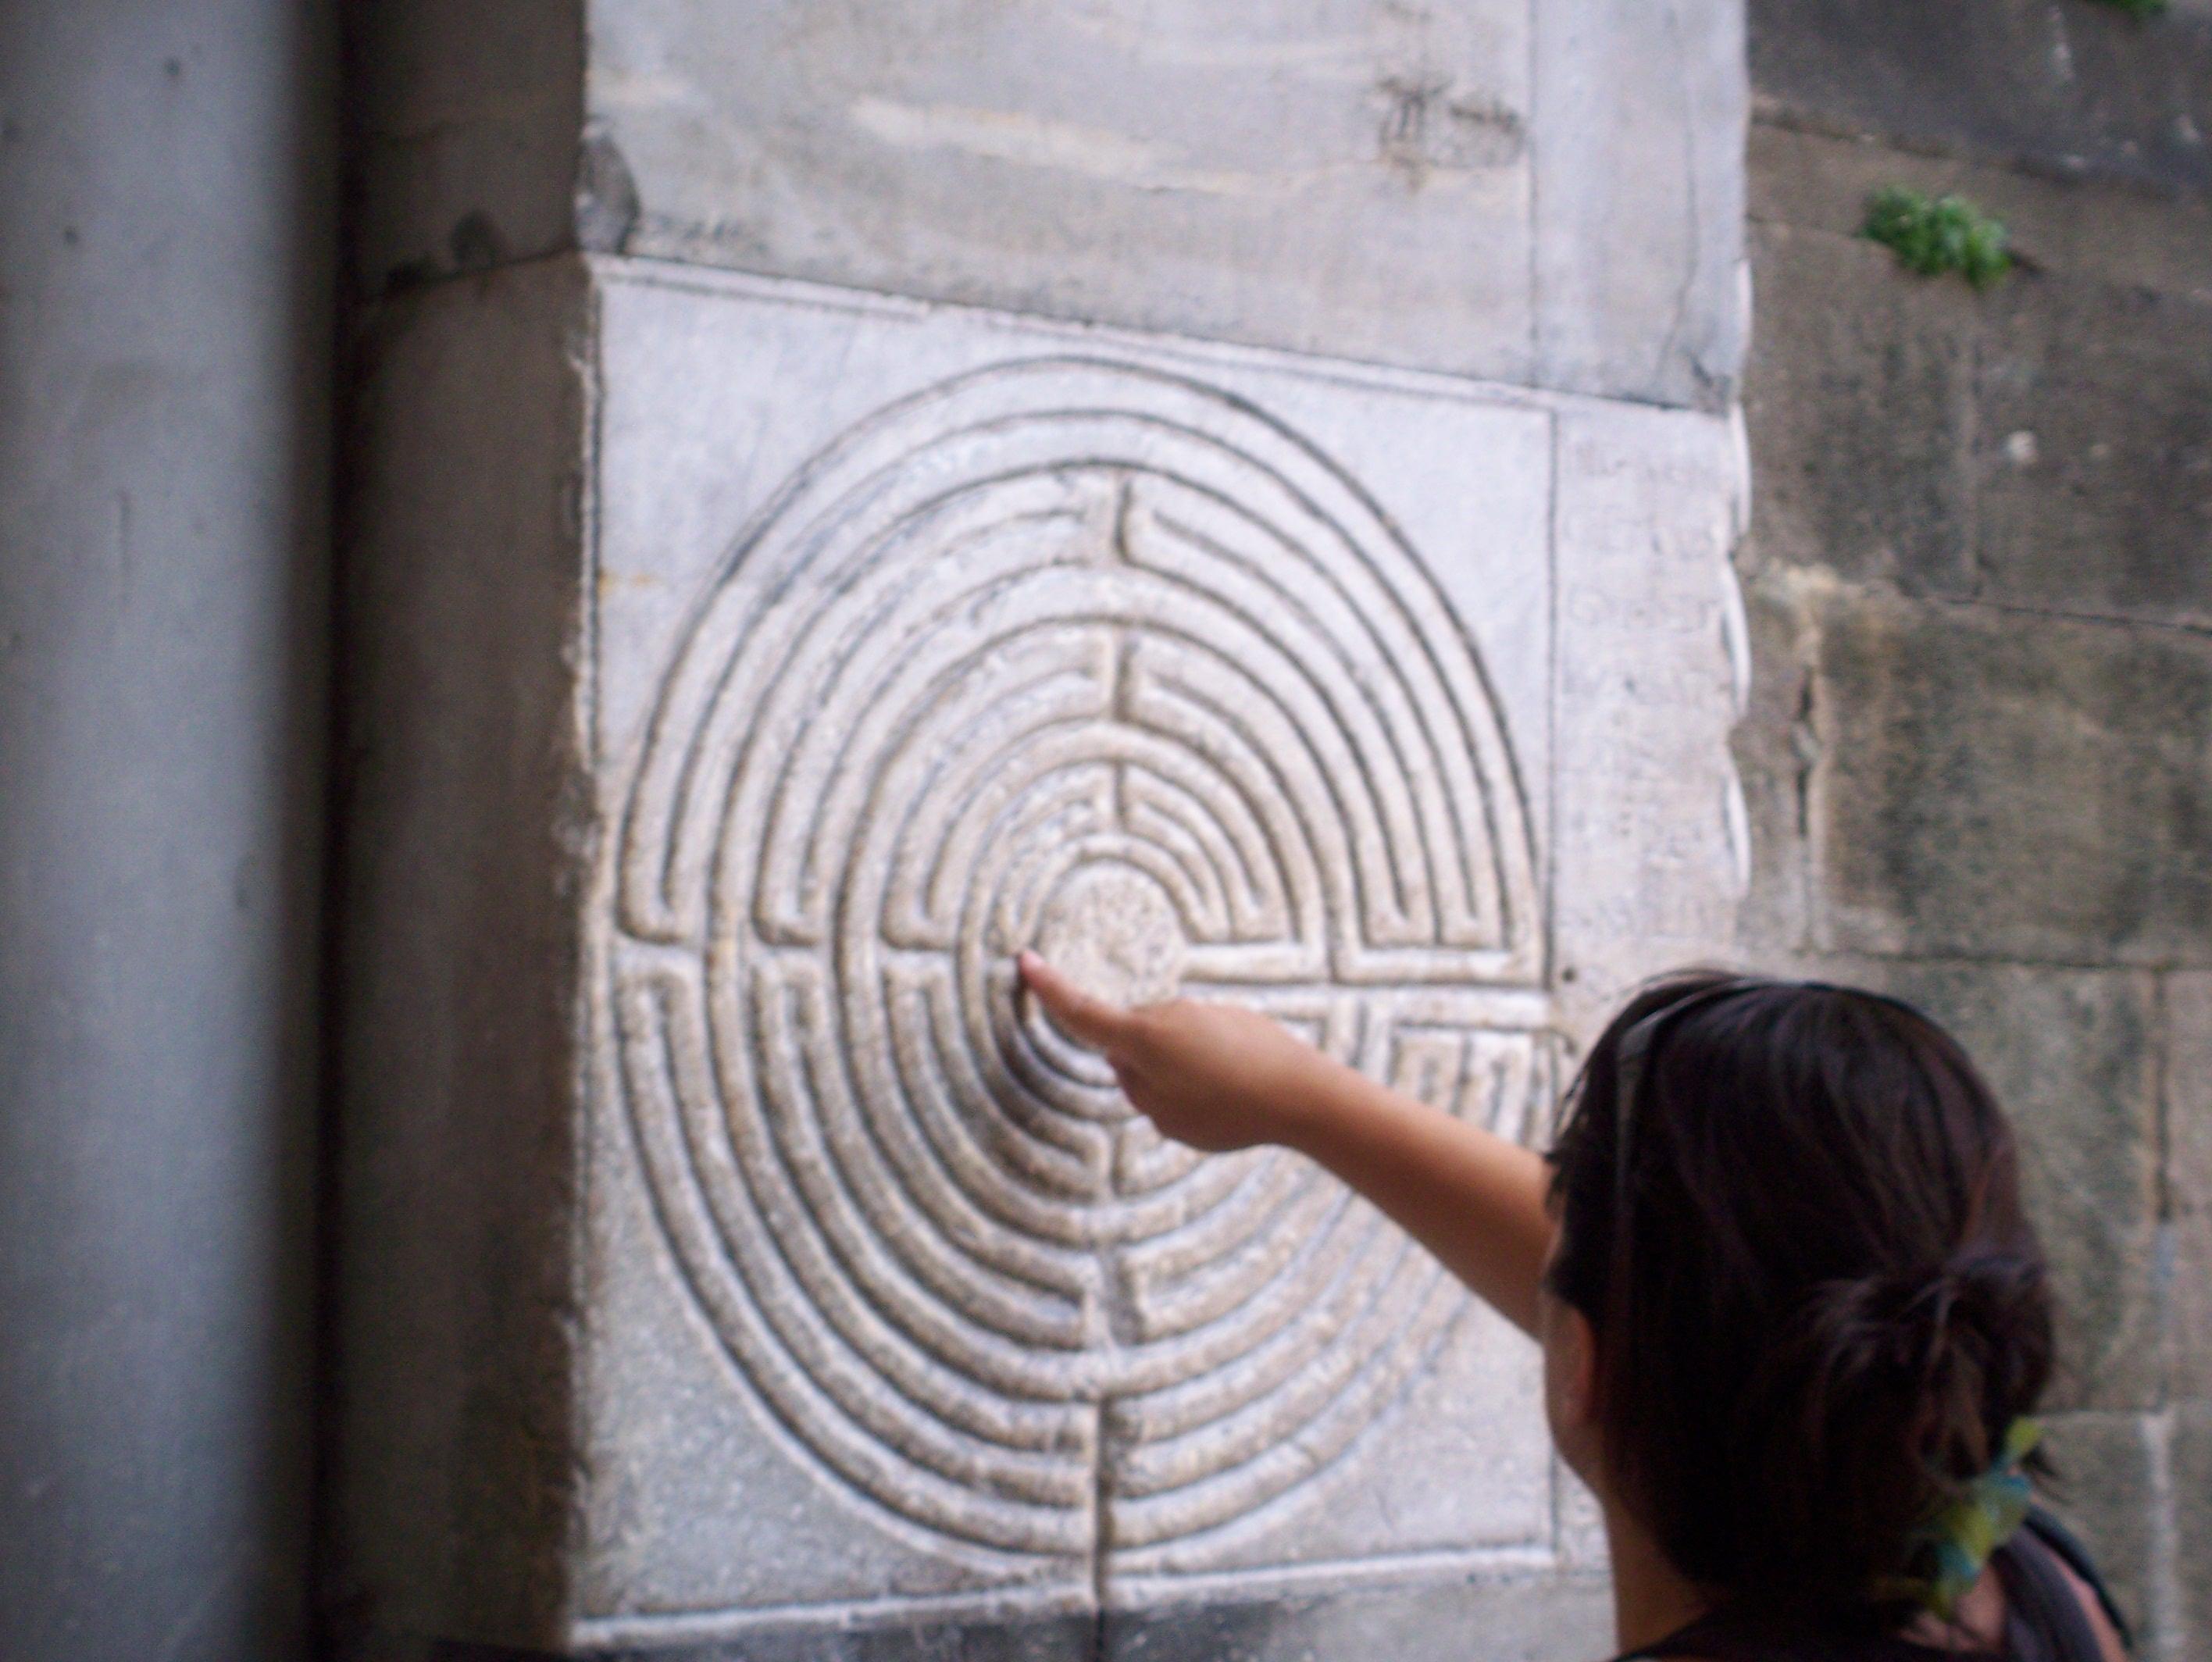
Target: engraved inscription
x,y
1067,654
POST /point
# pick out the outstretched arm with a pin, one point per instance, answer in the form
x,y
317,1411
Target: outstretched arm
x,y
1219,1076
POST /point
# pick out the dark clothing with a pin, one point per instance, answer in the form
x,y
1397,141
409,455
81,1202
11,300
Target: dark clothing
x,y
2044,1618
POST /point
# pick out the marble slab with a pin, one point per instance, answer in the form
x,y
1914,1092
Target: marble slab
x,y
917,634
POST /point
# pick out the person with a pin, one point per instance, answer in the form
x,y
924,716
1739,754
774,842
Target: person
x,y
1793,1319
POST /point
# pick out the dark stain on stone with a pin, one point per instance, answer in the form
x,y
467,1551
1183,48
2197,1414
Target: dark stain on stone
x,y
475,242
1427,127
410,274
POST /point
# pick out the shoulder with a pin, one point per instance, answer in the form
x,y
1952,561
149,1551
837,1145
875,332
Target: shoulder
x,y
2110,1645
2077,1573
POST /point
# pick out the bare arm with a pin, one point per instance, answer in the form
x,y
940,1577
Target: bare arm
x,y
1218,1077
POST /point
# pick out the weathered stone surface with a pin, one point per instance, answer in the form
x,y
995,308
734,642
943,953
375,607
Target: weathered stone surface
x,y
1638,120
466,126
1441,188
1107,621
2189,1546
458,993
2073,1056
920,636
2066,89
2045,446
745,668
166,186
2187,1076
1051,1639
1572,1618
1860,404
2110,1492
2102,232
2093,452
1654,667
1995,783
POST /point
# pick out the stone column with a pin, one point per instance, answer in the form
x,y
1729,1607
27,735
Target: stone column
x,y
167,182
1240,499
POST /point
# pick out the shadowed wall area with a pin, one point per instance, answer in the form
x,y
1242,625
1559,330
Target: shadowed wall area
x,y
166,233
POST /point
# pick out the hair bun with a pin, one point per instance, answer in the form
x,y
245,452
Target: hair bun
x,y
1949,1354
1884,1392
1959,1329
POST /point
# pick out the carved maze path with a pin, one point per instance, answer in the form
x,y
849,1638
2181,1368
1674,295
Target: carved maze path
x,y
1070,654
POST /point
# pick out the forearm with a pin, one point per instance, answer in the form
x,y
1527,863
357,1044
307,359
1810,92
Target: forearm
x,y
1471,1198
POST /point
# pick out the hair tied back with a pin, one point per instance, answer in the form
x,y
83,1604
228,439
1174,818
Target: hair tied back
x,y
1948,1552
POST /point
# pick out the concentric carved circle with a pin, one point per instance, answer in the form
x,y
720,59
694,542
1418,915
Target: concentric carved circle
x,y
1067,654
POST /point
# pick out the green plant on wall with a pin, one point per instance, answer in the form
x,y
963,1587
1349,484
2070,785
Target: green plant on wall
x,y
1935,235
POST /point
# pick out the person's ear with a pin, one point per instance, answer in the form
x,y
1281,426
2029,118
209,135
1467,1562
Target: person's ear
x,y
1571,1369
1570,1382
1575,1376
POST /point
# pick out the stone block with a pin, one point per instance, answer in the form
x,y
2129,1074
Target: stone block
x,y
2093,452
2186,1072
2064,89
465,134
2108,1491
1654,669
735,1219
1999,784
1446,189
1638,120
2043,444
1560,1621
1860,404
1124,605
2073,1056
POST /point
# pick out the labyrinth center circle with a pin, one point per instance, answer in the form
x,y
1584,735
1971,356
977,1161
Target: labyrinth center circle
x,y
1115,932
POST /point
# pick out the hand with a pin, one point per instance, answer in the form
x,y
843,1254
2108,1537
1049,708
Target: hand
x,y
1216,1077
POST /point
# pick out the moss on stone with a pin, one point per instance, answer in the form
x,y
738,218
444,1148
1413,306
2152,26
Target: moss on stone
x,y
1935,235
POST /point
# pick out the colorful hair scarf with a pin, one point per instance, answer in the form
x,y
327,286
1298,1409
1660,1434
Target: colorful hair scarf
x,y
1949,1551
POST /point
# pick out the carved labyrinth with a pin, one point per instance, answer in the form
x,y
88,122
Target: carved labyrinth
x,y
1067,654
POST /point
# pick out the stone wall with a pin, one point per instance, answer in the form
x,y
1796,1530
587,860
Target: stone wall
x,y
838,499
1980,755
647,306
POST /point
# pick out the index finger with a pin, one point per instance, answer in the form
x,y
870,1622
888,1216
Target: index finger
x,y
1091,1020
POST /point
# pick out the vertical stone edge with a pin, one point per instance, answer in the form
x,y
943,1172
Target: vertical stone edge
x,y
2184,1259
1652,672
1648,158
2184,1270
465,791
465,141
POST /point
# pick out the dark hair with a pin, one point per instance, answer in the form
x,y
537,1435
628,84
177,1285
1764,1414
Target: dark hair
x,y
1798,1236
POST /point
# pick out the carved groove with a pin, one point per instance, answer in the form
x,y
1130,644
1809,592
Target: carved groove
x,y
1067,652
